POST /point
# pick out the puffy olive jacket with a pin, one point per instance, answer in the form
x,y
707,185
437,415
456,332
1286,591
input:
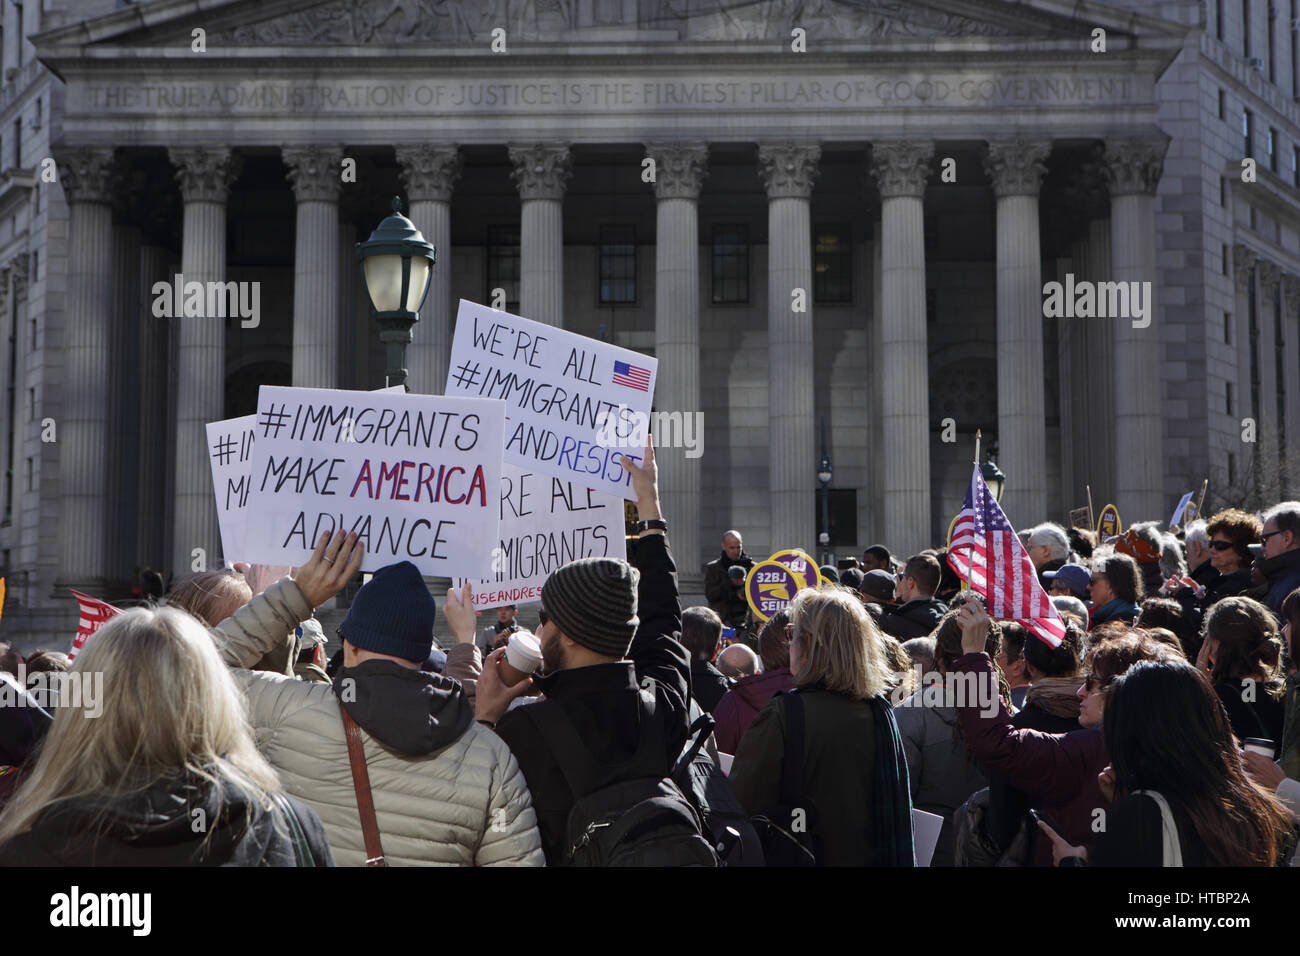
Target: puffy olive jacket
x,y
446,790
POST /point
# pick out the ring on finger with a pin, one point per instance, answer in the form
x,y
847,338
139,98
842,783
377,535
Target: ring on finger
x,y
327,560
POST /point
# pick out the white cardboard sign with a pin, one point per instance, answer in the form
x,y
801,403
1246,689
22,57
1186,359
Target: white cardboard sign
x,y
562,392
546,522
410,474
230,454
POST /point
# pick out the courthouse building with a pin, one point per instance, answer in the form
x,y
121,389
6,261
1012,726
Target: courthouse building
x,y
849,217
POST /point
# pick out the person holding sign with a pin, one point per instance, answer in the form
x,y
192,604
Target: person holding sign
x,y
444,790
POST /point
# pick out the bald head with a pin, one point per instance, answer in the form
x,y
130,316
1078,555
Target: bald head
x,y
732,545
738,661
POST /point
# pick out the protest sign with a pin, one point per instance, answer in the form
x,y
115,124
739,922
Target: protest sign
x,y
770,587
230,455
409,474
562,390
801,565
1081,518
1108,524
1183,502
546,523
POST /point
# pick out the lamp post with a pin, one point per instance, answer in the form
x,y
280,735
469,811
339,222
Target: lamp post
x,y
993,477
396,263
824,477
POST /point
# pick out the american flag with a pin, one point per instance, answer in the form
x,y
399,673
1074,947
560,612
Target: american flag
x,y
987,554
633,376
94,613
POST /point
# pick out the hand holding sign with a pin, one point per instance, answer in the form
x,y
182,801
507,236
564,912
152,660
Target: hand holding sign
x,y
332,565
645,482
460,615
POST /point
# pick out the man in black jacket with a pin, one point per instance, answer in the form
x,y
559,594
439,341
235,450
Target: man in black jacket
x,y
596,667
920,611
725,598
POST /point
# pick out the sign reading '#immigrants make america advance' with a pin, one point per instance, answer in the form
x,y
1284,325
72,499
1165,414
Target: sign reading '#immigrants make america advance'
x,y
561,390
546,523
415,476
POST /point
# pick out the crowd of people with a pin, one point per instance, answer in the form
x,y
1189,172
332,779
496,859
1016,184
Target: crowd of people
x,y
1163,730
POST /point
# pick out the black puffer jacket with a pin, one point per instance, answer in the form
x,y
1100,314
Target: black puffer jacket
x,y
157,827
917,618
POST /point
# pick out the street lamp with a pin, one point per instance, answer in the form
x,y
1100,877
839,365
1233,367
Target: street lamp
x,y
396,263
994,478
824,477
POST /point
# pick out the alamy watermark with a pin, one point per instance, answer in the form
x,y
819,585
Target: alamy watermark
x,y
954,689
624,428
1102,300
82,690
208,300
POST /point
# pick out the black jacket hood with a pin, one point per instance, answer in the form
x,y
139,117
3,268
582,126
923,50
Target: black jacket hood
x,y
409,711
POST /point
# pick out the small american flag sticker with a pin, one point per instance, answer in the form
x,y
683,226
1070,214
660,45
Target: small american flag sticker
x,y
632,376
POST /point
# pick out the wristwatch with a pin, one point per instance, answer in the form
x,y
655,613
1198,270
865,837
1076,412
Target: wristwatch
x,y
656,524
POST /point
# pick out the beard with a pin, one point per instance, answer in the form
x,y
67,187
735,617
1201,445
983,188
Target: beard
x,y
552,653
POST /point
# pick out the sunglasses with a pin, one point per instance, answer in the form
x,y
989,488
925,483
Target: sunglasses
x,y
1266,535
1221,545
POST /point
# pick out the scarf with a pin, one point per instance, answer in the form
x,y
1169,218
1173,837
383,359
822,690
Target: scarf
x,y
1115,609
891,792
1056,695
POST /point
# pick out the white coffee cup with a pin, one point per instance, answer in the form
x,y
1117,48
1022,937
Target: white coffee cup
x,y
1259,745
523,657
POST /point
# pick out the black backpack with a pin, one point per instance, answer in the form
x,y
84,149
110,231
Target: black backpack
x,y
788,830
724,819
640,819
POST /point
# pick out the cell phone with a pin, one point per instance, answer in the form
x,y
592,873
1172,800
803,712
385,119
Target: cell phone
x,y
1040,817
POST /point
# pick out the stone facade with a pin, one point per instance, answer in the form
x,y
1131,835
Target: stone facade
x,y
896,196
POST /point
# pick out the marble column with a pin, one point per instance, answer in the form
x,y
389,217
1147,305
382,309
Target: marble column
x,y
788,171
1291,360
85,174
205,174
151,358
901,170
540,172
679,173
430,173
1099,338
314,172
1245,270
876,363
1134,166
1016,169
1267,434
122,465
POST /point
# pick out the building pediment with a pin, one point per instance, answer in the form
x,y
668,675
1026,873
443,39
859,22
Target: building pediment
x,y
312,24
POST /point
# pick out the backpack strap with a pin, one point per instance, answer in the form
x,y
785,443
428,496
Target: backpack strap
x,y
792,763
361,784
301,849
580,768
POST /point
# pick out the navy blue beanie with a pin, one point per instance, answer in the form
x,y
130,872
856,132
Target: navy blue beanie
x,y
392,614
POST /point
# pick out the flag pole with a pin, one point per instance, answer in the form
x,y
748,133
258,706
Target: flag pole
x,y
977,447
1092,522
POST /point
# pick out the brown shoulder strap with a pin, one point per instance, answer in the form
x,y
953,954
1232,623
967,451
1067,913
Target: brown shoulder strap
x,y
361,783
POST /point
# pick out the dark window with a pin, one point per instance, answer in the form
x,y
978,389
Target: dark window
x,y
1295,166
18,141
832,264
1245,29
1227,402
931,225
730,264
1223,105
503,264
1218,18
1272,149
842,503
31,475
1225,260
36,265
1227,328
1248,132
31,404
1272,37
1223,191
617,265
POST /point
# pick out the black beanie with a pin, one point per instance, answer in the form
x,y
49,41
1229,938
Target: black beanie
x,y
593,601
393,614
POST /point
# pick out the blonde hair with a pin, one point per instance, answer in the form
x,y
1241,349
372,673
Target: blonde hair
x,y
211,596
169,706
839,645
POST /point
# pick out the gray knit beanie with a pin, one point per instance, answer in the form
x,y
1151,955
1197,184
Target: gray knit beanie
x,y
593,601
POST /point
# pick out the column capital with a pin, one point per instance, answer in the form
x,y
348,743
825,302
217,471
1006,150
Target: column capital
x,y
680,169
86,173
314,172
205,172
1269,275
1134,164
788,169
429,172
1243,266
1290,293
541,171
1016,167
901,169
